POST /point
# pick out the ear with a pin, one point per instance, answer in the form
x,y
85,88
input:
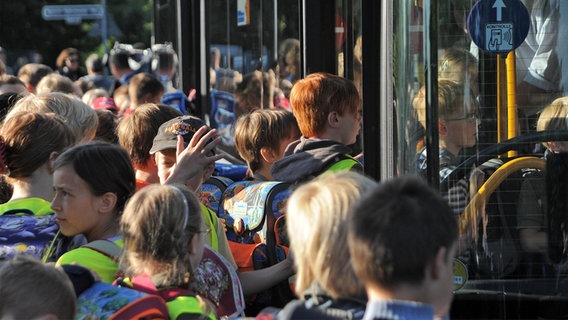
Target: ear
x,y
333,119
267,154
107,202
438,263
51,161
193,244
442,128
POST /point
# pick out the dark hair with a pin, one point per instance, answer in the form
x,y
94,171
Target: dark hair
x,y
397,229
137,131
104,167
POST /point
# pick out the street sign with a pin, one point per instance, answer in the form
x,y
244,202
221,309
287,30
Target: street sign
x,y
72,12
498,26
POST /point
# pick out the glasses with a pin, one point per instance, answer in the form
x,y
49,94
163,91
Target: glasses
x,y
469,118
72,60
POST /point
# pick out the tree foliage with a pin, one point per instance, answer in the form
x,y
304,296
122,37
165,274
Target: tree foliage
x,y
23,30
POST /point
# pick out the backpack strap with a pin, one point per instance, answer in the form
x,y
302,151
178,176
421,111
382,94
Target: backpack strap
x,y
107,248
144,283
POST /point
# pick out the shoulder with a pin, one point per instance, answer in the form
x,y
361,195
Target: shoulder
x,y
35,206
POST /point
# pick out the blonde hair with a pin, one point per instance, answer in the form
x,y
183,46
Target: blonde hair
x,y
82,119
158,225
451,100
55,82
317,213
554,117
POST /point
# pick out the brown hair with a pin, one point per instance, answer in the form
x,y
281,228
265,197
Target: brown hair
x,y
144,86
30,139
64,54
263,128
31,289
137,131
158,225
316,96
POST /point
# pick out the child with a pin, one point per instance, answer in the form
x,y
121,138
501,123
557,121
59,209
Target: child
x,y
136,133
328,111
457,126
143,88
81,118
532,203
318,213
406,277
163,242
92,183
32,290
166,145
28,163
261,138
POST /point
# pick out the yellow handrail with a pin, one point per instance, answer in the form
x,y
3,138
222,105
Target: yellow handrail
x,y
470,217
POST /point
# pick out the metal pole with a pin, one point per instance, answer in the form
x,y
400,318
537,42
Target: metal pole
x,y
104,32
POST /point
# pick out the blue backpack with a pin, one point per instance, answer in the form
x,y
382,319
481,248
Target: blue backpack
x,y
105,301
35,235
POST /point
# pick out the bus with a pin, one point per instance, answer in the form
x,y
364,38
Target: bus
x,y
391,49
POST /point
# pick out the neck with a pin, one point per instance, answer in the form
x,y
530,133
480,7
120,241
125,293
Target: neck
x,y
103,231
450,147
147,176
264,172
39,185
403,292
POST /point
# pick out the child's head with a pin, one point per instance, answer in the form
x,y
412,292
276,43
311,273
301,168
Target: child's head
x,y
33,290
264,134
137,131
460,65
92,183
32,139
457,114
163,232
316,220
81,118
403,234
165,144
321,100
145,88
554,117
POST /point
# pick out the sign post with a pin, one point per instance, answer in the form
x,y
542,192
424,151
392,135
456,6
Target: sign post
x,y
73,14
498,26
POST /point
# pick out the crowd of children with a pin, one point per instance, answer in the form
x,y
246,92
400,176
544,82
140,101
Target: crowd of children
x,y
122,184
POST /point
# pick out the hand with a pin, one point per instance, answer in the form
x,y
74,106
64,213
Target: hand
x,y
192,160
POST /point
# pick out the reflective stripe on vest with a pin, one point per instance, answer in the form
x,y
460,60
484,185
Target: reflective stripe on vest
x,y
185,304
343,165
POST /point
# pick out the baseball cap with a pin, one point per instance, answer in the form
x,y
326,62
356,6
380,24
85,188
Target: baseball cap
x,y
168,132
105,103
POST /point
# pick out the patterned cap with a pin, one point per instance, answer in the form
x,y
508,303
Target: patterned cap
x,y
168,132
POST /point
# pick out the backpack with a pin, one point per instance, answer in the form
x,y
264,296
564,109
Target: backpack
x,y
30,234
257,241
222,116
212,190
105,301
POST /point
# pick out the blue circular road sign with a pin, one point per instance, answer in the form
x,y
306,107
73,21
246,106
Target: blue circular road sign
x,y
498,26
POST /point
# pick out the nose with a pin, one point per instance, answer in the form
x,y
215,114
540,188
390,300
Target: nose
x,y
55,203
